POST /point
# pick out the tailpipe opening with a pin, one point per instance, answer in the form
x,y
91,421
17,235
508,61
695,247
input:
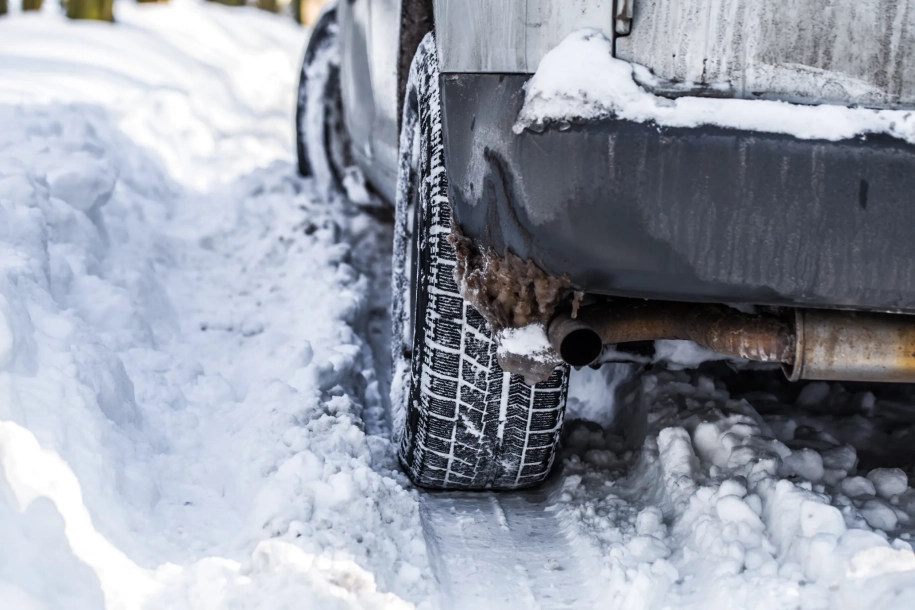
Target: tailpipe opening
x,y
581,347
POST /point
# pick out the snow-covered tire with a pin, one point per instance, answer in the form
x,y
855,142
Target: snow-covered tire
x,y
464,423
322,145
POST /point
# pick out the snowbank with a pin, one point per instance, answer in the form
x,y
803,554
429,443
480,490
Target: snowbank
x,y
580,80
184,374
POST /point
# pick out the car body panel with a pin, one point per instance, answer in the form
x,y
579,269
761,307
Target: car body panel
x,y
385,24
356,88
833,51
811,51
705,214
510,36
369,35
629,209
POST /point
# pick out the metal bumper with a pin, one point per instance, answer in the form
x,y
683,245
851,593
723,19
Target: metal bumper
x,y
706,214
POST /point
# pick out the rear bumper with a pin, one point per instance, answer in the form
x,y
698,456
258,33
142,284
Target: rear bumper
x,y
706,214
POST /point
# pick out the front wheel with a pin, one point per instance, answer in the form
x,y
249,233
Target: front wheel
x,y
463,422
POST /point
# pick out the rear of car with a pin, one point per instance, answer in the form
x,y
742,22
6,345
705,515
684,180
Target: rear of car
x,y
576,181
707,213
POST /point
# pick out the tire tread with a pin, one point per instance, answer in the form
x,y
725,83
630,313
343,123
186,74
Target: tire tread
x,y
467,424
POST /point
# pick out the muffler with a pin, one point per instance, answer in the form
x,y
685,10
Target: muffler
x,y
851,346
810,344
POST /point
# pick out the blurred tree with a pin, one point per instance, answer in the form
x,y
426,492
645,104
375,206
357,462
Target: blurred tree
x,y
231,2
3,7
101,10
269,5
307,12
31,5
151,1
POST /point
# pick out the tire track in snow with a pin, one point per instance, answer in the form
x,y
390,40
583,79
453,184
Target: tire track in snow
x,y
505,550
487,550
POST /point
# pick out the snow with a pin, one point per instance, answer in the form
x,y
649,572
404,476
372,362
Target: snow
x,y
186,380
748,521
684,354
879,515
858,487
529,341
192,401
889,482
580,80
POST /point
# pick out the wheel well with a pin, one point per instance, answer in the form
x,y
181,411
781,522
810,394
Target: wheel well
x,y
416,20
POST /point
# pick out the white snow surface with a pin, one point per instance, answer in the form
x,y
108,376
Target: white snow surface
x,y
192,414
530,341
183,369
580,80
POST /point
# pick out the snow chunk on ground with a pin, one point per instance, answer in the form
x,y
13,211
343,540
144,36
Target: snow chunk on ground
x,y
818,518
805,463
580,80
889,482
748,521
879,515
858,487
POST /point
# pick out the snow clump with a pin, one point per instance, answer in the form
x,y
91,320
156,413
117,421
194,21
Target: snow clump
x,y
715,510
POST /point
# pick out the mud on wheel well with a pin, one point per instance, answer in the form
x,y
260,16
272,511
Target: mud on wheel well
x,y
416,20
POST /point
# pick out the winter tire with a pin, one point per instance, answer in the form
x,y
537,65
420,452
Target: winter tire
x,y
463,422
322,146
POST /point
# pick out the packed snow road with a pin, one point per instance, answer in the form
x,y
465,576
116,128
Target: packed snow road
x,y
506,550
193,384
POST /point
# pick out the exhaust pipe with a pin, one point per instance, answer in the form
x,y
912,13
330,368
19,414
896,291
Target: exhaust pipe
x,y
825,345
579,340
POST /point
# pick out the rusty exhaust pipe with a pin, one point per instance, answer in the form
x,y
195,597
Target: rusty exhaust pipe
x,y
580,340
810,344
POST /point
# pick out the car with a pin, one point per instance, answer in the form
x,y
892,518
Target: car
x,y
760,231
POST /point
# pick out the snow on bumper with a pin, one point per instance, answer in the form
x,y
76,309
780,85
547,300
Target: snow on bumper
x,y
580,80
